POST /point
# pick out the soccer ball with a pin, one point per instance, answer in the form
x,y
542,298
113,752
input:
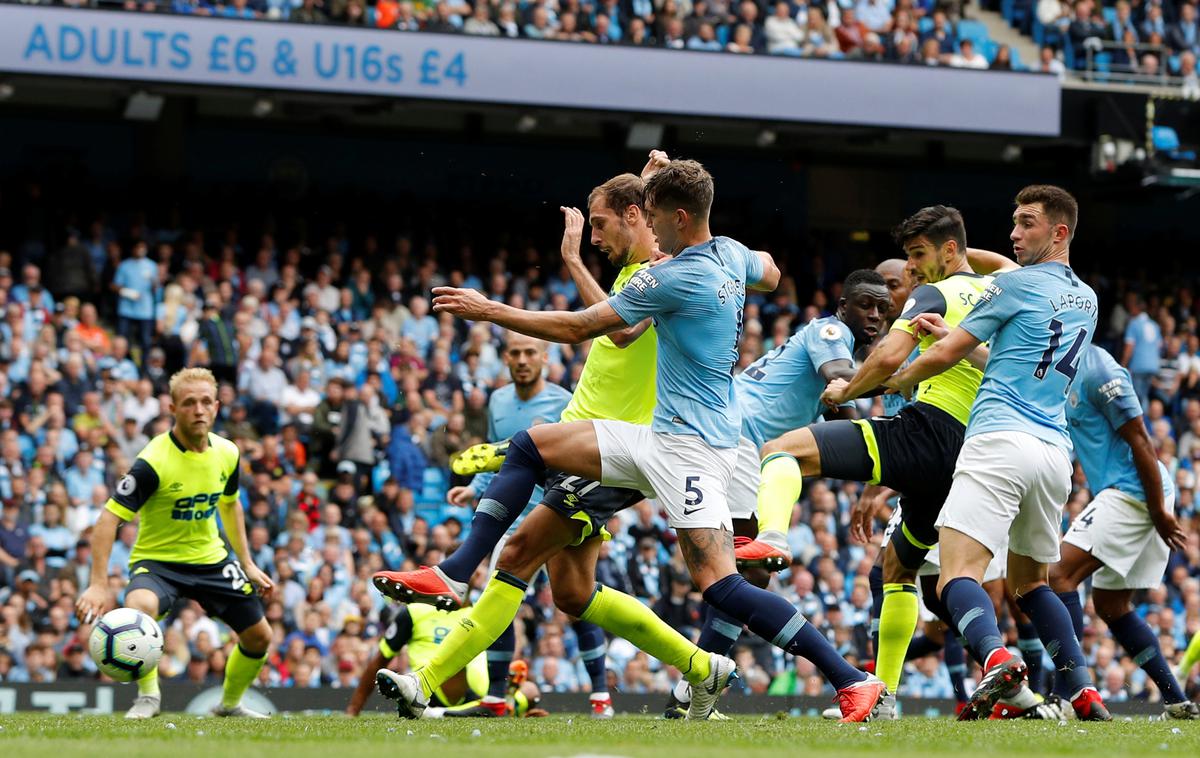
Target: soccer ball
x,y
125,643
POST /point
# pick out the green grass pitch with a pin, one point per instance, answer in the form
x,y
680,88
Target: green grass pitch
x,y
297,736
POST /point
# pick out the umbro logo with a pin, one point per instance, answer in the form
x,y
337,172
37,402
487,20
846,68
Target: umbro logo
x,y
175,487
224,478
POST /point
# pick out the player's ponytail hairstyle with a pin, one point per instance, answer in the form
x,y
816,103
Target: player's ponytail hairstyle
x,y
620,192
936,223
1060,206
682,184
189,376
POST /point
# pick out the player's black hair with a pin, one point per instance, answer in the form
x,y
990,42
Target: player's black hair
x,y
862,278
936,223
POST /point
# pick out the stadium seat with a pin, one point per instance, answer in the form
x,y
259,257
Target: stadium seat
x,y
976,31
1110,15
1166,142
925,25
988,48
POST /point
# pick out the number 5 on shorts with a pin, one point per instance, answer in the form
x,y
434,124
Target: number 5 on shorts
x,y
694,495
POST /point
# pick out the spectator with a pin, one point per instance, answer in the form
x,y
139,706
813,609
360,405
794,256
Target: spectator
x,y
784,34
480,23
851,34
135,283
1143,348
966,57
1184,35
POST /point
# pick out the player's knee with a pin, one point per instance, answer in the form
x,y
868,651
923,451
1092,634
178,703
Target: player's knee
x,y
1061,579
143,600
571,598
894,570
515,556
1110,606
759,577
256,638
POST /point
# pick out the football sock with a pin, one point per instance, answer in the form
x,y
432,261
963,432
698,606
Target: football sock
x,y
956,665
1191,655
148,684
504,500
240,672
720,631
1074,606
1031,649
624,616
778,490
974,617
592,649
875,579
774,619
1139,641
492,614
897,622
499,657
921,646
1053,623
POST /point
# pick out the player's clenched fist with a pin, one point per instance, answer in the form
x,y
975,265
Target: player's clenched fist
x,y
464,303
657,160
835,393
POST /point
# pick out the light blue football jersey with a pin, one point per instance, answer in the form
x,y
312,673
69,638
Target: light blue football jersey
x,y
509,414
696,301
1101,401
781,391
1038,319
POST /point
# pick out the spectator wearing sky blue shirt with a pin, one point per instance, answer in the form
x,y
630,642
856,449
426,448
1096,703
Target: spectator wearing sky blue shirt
x,y
82,477
135,282
421,328
1143,349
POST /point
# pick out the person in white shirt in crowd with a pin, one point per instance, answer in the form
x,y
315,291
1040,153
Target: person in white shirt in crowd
x,y
968,57
784,33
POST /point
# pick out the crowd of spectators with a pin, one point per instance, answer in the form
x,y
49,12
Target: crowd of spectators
x,y
346,395
901,31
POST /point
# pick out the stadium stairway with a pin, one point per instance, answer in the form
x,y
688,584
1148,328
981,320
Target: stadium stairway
x,y
1002,33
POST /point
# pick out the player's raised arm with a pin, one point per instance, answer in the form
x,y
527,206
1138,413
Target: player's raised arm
x,y
940,356
987,262
882,363
566,327
936,326
590,290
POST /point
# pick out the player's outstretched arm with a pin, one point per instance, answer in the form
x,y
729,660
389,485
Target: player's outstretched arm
x,y
96,599
590,290
1145,460
566,327
935,325
987,262
882,363
365,684
770,275
940,356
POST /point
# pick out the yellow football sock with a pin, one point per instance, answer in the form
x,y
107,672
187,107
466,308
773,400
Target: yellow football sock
x,y
626,617
148,684
1192,655
240,672
897,622
778,491
497,607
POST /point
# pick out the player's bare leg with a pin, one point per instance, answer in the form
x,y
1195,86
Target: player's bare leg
x,y
148,702
785,461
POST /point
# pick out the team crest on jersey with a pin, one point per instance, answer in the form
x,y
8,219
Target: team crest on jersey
x,y
127,485
830,332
